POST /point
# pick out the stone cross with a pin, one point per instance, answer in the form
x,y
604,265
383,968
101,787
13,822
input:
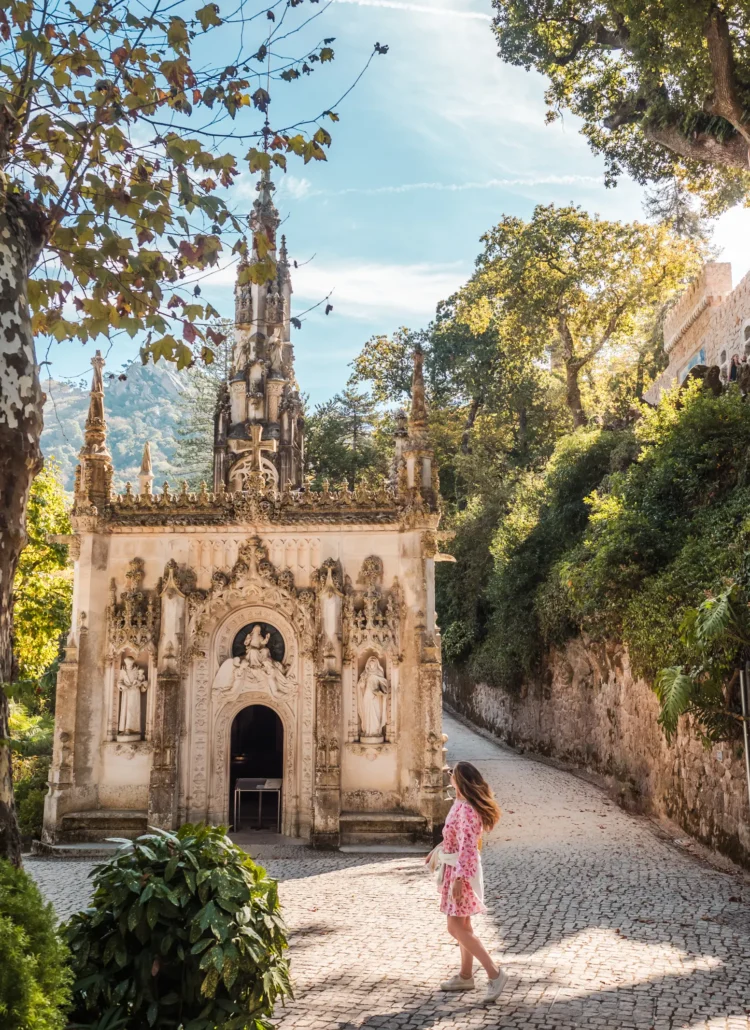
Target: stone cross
x,y
259,445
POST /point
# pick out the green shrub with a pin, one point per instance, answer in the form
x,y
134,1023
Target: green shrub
x,y
184,931
31,745
34,978
546,517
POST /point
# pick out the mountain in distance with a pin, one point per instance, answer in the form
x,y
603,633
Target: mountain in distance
x,y
146,405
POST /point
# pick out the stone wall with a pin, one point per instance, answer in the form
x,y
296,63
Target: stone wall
x,y
588,710
709,316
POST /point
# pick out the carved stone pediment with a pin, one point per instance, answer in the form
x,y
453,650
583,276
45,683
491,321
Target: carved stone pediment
x,y
254,580
132,620
372,617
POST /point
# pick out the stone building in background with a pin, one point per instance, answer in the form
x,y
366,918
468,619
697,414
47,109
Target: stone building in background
x,y
708,325
259,630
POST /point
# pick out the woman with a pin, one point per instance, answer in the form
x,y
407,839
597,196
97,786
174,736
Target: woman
x,y
458,865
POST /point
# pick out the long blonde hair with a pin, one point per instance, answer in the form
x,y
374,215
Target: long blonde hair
x,y
473,787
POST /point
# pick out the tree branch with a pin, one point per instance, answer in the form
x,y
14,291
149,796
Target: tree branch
x,y
725,103
732,153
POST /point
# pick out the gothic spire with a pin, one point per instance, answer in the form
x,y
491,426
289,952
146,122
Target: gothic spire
x,y
95,432
283,262
94,473
418,415
146,475
264,217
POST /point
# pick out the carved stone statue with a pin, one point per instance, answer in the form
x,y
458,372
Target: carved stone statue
x,y
255,669
372,693
276,353
132,683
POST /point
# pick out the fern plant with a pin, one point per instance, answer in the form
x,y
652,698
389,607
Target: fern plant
x,y
716,637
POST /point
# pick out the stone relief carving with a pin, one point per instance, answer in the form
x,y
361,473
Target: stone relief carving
x,y
369,751
256,669
131,621
253,580
131,683
372,702
372,616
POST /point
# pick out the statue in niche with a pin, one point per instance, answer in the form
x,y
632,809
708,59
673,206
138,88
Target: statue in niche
x,y
276,352
372,692
131,683
256,668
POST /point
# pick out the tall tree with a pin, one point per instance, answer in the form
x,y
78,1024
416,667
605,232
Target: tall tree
x,y
663,89
570,285
193,458
340,439
109,204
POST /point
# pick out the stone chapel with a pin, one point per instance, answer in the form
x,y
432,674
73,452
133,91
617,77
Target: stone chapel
x,y
257,629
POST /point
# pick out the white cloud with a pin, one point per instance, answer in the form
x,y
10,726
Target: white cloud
x,y
295,187
364,290
396,5
458,187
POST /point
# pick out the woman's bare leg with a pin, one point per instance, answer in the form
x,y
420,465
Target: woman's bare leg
x,y
467,959
460,928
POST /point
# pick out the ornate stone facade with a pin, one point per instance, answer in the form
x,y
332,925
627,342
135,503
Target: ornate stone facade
x,y
191,606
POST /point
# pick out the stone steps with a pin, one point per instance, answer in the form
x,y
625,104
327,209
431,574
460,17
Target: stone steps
x,y
94,826
381,828
93,850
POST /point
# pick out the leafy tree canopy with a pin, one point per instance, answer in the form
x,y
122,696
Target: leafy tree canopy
x,y
570,285
663,89
342,441
120,189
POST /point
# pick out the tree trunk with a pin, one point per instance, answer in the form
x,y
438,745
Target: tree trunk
x,y
21,400
573,393
469,424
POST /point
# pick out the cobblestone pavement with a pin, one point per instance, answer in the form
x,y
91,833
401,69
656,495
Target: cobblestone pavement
x,y
600,923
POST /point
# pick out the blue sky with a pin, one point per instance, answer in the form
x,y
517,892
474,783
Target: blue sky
x,y
438,140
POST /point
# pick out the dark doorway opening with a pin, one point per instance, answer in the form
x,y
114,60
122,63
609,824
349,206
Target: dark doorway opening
x,y
257,753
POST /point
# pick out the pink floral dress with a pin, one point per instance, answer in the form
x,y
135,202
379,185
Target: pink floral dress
x,y
461,834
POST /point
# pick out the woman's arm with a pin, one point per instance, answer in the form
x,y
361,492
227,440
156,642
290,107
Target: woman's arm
x,y
469,830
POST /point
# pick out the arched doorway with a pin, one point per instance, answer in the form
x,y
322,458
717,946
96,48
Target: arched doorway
x,y
256,755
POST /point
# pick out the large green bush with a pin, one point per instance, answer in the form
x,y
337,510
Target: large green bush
x,y
623,535
184,932
34,978
546,516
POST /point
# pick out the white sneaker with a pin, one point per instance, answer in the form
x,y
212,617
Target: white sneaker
x,y
458,983
495,987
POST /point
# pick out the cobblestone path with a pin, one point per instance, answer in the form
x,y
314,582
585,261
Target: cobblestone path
x,y
600,923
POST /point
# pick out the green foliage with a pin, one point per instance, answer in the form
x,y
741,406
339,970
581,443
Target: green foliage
x,y
341,441
545,517
573,286
716,636
193,458
688,484
43,586
31,747
98,155
34,977
663,89
184,930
